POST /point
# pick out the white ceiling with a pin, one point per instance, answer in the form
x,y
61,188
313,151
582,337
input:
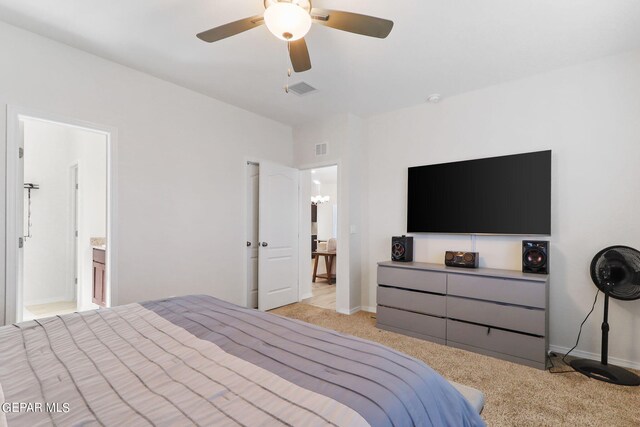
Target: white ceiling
x,y
447,46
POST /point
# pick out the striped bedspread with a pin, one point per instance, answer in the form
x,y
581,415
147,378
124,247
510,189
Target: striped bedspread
x,y
197,360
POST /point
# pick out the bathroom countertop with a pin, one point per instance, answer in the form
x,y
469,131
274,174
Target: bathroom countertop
x,y
99,243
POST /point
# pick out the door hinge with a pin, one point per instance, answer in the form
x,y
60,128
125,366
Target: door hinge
x,y
20,152
20,242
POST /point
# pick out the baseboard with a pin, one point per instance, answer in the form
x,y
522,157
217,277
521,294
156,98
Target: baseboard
x,y
595,356
368,309
47,301
349,312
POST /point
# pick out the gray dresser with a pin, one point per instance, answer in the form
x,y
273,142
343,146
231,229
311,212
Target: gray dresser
x,y
500,313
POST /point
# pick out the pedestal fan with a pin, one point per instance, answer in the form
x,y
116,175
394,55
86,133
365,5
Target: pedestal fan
x,y
616,272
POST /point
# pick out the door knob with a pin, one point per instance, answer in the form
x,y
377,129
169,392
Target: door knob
x,y
248,244
265,244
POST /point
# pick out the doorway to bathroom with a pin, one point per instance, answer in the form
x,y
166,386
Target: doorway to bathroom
x,y
61,262
65,171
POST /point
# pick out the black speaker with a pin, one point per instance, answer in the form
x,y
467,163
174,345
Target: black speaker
x,y
462,259
535,256
402,248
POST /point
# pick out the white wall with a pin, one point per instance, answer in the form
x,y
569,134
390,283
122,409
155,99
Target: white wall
x,y
180,165
343,134
589,115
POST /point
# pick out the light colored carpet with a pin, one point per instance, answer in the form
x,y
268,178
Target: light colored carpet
x,y
516,395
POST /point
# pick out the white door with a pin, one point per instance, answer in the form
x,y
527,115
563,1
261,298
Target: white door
x,y
278,230
252,235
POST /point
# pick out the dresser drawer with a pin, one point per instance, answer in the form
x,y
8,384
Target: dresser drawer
x,y
521,319
496,340
521,292
419,280
419,323
412,301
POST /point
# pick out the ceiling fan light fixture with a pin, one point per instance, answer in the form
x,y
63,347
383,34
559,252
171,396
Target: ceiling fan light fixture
x,y
287,21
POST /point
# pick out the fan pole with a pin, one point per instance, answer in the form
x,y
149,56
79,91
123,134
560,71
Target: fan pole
x,y
605,330
616,272
602,370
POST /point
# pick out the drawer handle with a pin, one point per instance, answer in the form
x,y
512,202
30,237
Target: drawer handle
x,y
488,331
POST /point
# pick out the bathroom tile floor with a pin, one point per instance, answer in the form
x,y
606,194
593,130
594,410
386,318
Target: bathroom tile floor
x,y
40,311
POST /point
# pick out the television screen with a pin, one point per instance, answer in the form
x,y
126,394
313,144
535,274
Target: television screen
x,y
498,195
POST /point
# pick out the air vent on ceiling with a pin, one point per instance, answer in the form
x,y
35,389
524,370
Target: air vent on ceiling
x,y
321,149
302,88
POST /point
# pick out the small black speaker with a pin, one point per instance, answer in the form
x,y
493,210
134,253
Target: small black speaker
x,y
462,259
402,248
535,256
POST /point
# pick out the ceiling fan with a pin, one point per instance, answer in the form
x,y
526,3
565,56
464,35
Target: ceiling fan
x,y
290,20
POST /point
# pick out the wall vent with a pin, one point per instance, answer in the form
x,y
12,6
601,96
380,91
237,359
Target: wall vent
x,y
302,89
321,149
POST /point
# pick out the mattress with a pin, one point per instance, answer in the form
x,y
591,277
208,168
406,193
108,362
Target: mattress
x,y
197,360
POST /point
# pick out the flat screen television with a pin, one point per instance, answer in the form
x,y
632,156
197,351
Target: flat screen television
x,y
497,195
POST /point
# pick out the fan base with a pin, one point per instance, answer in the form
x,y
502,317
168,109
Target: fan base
x,y
608,373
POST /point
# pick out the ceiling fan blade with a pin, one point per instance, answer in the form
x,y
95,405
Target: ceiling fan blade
x,y
353,22
299,55
231,29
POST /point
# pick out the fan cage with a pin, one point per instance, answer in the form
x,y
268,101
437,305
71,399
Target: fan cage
x,y
627,286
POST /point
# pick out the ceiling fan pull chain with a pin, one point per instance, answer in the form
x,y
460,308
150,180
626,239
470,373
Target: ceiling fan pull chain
x,y
286,87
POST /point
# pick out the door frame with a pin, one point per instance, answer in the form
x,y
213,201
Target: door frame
x,y
14,200
74,202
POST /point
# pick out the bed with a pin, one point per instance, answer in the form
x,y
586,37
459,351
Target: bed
x,y
197,360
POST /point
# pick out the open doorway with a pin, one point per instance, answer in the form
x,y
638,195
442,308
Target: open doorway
x,y
60,215
65,218
324,233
